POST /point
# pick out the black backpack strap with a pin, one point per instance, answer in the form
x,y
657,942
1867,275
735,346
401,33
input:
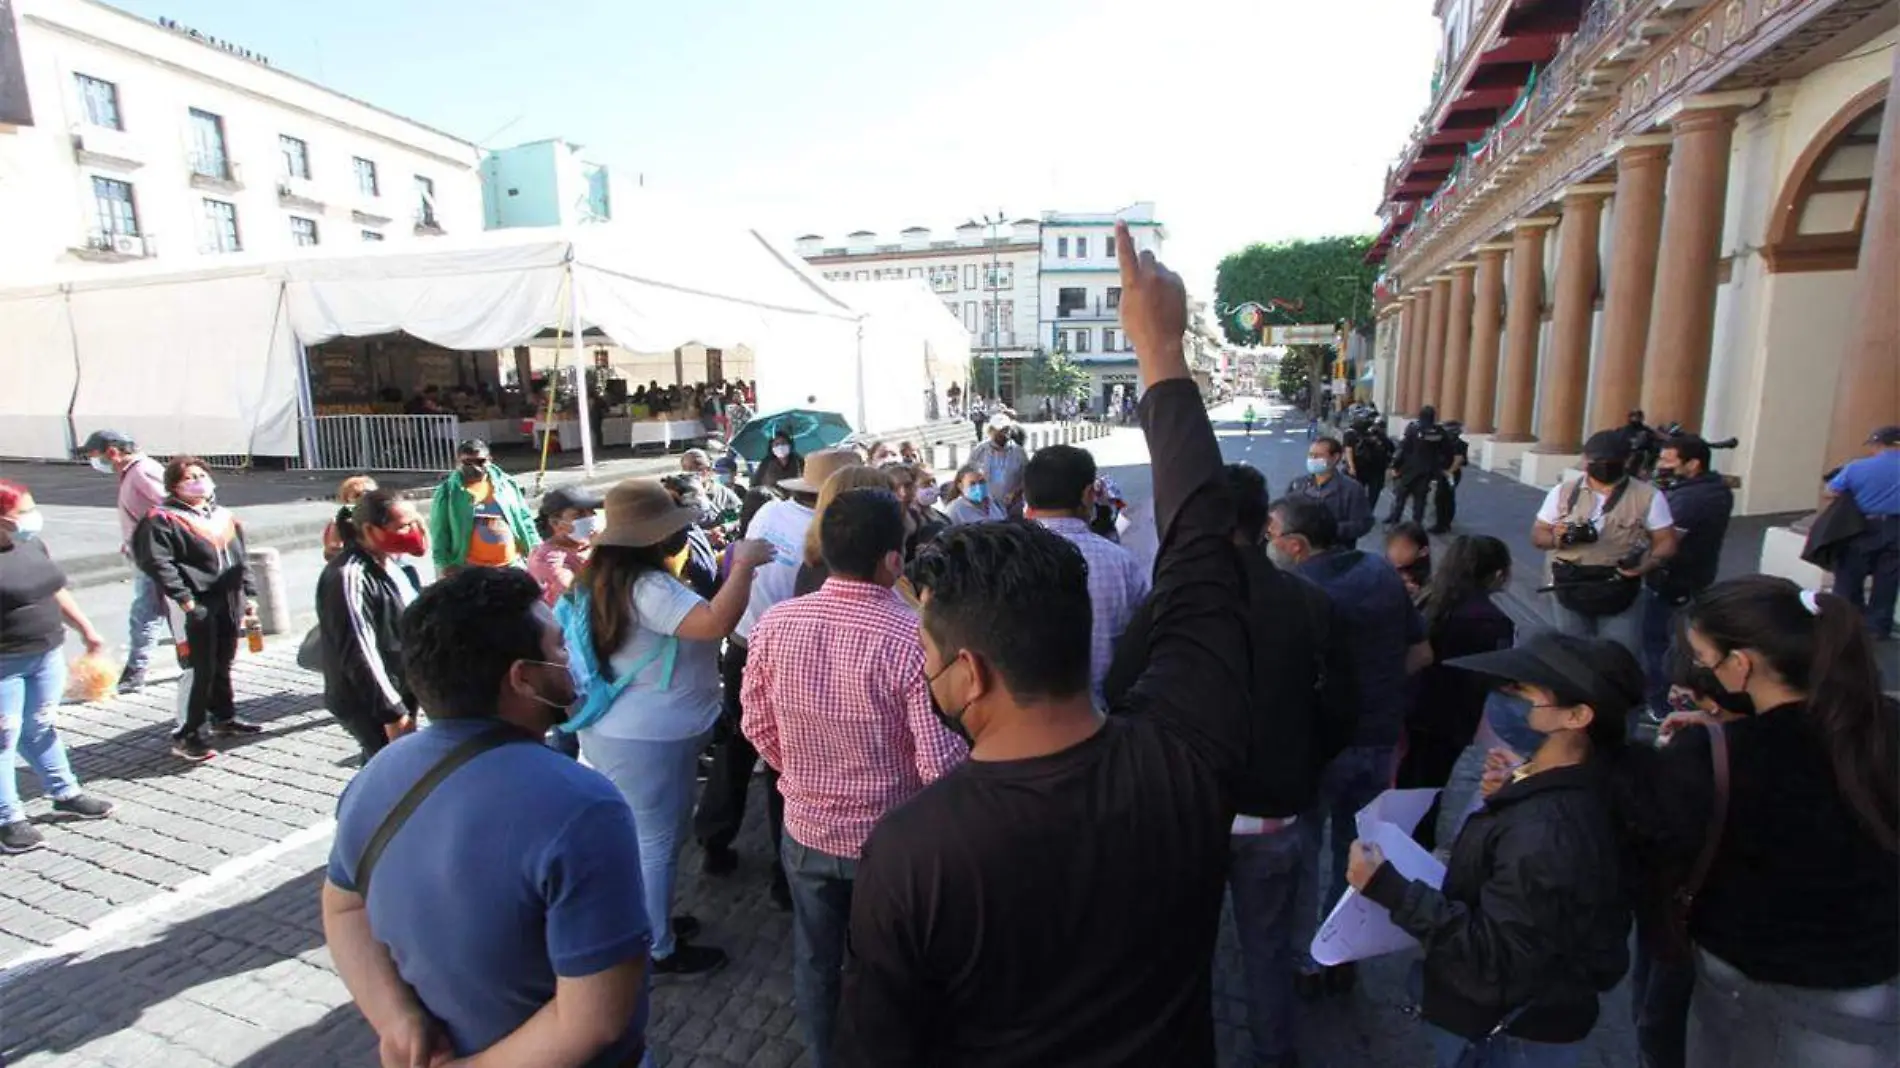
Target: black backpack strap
x,y
468,750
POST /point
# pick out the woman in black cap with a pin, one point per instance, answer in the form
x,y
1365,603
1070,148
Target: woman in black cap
x,y
1531,924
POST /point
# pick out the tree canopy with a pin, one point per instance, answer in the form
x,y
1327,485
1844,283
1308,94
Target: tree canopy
x,y
1318,281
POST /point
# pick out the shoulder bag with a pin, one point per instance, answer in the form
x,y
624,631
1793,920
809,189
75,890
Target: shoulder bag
x,y
1682,902
469,749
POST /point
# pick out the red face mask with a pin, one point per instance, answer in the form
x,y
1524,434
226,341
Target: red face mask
x,y
411,542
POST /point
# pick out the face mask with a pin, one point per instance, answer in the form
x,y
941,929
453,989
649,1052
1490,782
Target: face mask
x,y
584,528
101,465
781,451
978,493
1317,466
1510,716
1605,471
1001,437
1666,475
558,696
474,472
926,495
201,488
1703,680
953,724
411,542
27,527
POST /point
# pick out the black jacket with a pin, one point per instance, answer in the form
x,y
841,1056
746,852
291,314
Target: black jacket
x,y
1305,693
194,555
1424,452
359,612
1701,507
1451,700
1531,913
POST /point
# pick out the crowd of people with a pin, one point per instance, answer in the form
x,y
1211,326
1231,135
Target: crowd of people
x,y
1012,772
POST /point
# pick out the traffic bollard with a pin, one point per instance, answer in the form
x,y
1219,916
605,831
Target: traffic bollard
x,y
273,603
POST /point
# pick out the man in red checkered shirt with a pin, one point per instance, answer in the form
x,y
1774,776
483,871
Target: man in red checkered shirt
x,y
836,701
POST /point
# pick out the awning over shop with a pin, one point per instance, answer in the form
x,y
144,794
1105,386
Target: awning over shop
x,y
207,359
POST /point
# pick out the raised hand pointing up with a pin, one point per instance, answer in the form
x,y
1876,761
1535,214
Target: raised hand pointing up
x,y
1154,311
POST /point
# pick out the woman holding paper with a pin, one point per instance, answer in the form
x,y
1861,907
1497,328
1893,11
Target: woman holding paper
x,y
1530,925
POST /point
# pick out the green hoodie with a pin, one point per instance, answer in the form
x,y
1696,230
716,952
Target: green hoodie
x,y
452,517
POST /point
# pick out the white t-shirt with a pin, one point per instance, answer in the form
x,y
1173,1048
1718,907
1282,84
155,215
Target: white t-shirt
x,y
643,712
783,523
1552,512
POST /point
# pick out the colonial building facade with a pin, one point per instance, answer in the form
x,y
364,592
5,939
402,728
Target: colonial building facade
x,y
1683,206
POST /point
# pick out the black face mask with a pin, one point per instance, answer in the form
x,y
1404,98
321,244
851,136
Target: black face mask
x,y
953,724
1668,476
474,471
1701,680
1606,471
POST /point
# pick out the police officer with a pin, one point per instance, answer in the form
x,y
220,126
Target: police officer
x,y
1445,490
1368,453
1424,454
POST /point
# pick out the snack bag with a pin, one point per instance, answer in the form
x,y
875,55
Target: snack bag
x,y
91,677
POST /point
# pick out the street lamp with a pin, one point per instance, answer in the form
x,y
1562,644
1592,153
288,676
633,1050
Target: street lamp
x,y
996,308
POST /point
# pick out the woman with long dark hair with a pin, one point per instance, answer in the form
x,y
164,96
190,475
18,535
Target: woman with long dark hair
x,y
781,462
193,549
1460,620
1796,926
653,647
360,600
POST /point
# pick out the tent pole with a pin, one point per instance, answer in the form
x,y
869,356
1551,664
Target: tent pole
x,y
580,373
862,426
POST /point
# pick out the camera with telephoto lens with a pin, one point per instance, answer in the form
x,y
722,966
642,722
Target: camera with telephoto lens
x,y
1577,533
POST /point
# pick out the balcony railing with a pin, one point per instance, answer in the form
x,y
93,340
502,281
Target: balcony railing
x,y
213,167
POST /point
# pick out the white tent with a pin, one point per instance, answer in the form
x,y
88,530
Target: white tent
x,y
208,359
912,348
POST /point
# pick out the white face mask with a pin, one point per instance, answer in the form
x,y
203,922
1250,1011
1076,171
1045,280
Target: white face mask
x,y
27,526
101,465
781,451
585,527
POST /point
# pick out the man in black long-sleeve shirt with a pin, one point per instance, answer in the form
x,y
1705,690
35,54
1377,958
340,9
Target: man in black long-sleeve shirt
x,y
1054,901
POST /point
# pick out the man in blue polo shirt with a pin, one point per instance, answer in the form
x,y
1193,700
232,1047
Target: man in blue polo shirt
x,y
1874,483
506,913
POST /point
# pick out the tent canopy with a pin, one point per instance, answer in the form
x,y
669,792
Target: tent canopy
x,y
207,359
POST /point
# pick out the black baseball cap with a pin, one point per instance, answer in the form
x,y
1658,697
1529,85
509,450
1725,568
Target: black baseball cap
x,y
1886,435
1606,445
565,497
101,440
1592,671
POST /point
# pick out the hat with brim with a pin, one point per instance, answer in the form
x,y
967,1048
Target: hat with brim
x,y
819,466
1543,662
641,512
101,440
1000,421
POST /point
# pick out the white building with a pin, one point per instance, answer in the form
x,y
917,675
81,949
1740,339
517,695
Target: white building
x,y
156,140
987,279
1081,292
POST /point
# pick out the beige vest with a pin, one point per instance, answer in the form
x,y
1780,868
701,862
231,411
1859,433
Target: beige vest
x,y
1622,527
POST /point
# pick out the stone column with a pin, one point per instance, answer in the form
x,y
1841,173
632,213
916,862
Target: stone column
x,y
1630,282
1481,376
1523,321
1682,322
1415,376
1567,373
1403,358
1435,341
1457,342
1867,394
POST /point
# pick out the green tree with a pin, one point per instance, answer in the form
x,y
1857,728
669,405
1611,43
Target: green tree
x,y
1301,366
1054,375
1325,280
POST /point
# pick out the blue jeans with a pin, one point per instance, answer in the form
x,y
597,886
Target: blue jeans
x,y
657,779
1659,618
31,686
1624,628
1356,776
821,916
1738,1022
145,623
1264,879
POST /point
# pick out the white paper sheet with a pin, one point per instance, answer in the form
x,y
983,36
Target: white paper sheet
x,y
1358,928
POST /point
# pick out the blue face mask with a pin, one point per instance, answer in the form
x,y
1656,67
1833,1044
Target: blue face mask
x,y
1509,715
978,493
1317,466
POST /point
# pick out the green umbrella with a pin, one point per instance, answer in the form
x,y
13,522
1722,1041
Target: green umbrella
x,y
809,430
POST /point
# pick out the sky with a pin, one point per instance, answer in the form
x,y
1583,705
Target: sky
x,y
1243,120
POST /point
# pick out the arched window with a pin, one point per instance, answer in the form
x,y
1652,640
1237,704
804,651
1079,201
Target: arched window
x,y
1823,209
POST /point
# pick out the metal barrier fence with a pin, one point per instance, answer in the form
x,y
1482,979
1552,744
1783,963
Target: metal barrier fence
x,y
381,443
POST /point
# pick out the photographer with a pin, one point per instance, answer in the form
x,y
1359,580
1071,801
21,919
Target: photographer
x,y
1700,503
1603,532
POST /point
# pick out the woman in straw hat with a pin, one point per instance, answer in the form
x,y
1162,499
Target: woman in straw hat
x,y
657,646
